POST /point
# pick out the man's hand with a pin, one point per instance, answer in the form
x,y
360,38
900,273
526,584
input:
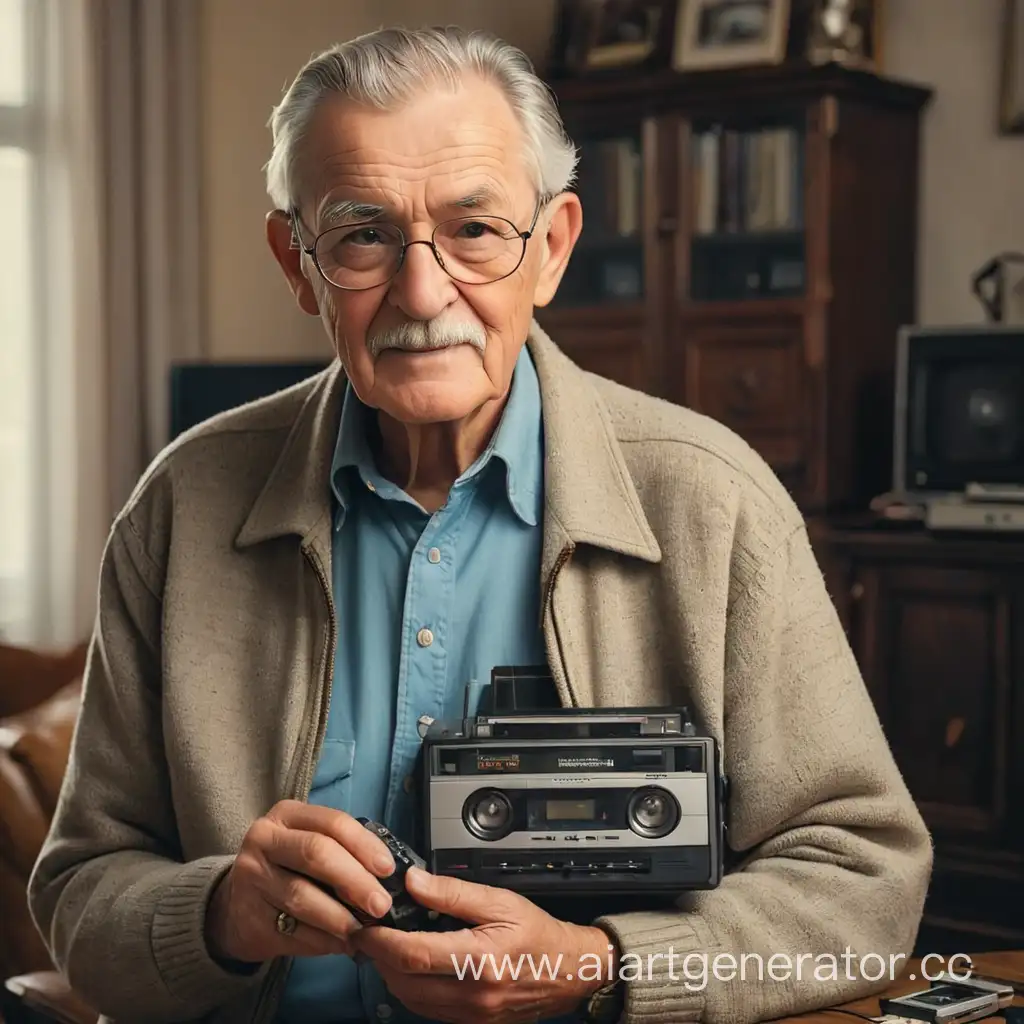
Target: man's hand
x,y
506,948
292,841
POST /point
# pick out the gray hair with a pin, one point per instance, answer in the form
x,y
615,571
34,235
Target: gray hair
x,y
386,67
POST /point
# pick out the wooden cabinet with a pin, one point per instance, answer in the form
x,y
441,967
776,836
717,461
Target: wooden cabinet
x,y
748,250
750,371
935,623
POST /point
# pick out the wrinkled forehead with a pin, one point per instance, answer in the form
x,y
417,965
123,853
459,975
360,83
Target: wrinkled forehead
x,y
443,148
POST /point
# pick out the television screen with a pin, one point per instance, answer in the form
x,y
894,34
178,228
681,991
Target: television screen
x,y
960,408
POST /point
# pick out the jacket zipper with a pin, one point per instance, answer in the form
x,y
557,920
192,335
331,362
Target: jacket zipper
x,y
328,675
555,662
275,977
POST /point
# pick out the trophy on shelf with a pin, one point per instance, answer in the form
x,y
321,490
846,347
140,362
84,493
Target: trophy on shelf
x,y
836,34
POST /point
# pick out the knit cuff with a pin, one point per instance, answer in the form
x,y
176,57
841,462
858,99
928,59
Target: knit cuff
x,y
661,957
179,937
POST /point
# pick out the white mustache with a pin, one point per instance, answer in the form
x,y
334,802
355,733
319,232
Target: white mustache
x,y
422,335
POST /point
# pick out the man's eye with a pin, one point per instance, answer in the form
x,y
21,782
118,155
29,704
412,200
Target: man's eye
x,y
475,229
364,236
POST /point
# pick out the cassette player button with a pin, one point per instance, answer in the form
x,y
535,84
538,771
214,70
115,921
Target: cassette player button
x,y
623,865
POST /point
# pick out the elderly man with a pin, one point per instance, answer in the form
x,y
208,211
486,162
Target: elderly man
x,y
294,584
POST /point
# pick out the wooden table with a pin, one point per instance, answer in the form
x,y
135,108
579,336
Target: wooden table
x,y
1006,965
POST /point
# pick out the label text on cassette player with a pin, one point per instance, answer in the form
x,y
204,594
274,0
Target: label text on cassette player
x,y
497,762
586,762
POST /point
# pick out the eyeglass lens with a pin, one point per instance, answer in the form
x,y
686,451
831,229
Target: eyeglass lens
x,y
472,250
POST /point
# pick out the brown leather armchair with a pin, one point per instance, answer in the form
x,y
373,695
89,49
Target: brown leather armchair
x,y
39,701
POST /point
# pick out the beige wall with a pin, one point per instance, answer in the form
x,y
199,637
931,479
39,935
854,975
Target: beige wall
x,y
971,204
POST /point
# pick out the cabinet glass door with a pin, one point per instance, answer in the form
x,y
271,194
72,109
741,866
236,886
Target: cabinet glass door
x,y
748,210
607,265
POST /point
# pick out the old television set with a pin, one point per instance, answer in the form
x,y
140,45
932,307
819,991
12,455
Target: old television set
x,y
201,390
959,411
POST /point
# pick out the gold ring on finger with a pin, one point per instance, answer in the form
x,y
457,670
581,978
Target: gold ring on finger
x,y
286,924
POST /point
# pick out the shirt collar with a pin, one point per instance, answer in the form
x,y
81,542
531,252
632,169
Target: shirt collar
x,y
590,496
517,442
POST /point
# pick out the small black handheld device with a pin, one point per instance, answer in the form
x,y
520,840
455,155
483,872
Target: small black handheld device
x,y
946,1002
1004,990
405,913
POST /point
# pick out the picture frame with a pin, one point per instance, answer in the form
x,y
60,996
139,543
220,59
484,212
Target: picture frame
x,y
595,36
1011,86
874,34
713,34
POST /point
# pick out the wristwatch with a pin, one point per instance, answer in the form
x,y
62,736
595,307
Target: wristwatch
x,y
605,1006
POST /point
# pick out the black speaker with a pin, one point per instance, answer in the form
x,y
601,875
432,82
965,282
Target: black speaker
x,y
959,408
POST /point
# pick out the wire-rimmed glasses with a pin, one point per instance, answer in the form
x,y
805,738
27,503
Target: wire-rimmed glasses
x,y
472,250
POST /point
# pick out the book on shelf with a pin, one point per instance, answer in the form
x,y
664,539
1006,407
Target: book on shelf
x,y
747,181
613,183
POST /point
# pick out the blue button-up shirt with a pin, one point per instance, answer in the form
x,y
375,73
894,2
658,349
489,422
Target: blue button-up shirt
x,y
426,603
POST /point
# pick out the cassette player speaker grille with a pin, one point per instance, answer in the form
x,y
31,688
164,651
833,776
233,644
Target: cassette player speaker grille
x,y
652,812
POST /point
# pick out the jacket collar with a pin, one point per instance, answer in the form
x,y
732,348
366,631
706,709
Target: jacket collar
x,y
589,494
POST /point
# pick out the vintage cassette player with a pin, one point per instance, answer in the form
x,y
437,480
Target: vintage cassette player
x,y
573,801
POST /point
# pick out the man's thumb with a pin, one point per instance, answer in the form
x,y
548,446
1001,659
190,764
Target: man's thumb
x,y
465,901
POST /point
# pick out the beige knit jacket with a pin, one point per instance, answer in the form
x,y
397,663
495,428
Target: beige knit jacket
x,y
675,570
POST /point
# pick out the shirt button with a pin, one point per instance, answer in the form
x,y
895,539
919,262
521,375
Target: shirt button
x,y
434,555
370,487
408,784
383,1012
424,637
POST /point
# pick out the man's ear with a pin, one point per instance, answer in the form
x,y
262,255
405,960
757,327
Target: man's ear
x,y
285,246
564,220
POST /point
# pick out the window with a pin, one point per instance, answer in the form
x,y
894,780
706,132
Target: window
x,y
19,322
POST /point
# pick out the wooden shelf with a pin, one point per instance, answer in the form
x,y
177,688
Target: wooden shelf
x,y
704,90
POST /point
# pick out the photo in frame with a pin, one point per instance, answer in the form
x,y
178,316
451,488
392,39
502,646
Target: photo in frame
x,y
599,35
730,33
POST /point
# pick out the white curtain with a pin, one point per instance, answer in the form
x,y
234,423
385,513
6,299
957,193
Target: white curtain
x,y
118,275
69,509
150,120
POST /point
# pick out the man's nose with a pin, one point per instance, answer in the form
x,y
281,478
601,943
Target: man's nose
x,y
421,289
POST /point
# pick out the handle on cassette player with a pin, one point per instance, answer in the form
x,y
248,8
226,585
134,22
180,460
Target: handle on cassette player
x,y
580,722
516,689
521,700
